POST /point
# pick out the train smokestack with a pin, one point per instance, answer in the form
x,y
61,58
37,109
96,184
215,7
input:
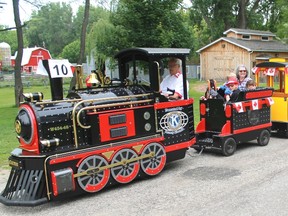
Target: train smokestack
x,y
56,84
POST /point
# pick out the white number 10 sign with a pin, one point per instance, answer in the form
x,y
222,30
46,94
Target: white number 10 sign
x,y
58,68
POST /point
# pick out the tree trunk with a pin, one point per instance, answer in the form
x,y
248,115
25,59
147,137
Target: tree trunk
x,y
83,32
242,16
17,74
82,41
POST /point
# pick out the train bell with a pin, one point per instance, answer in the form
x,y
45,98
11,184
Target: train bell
x,y
93,80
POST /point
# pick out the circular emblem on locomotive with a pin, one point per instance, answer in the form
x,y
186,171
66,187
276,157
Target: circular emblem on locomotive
x,y
174,122
253,116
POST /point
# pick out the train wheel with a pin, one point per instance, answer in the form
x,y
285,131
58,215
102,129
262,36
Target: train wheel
x,y
93,181
229,147
128,171
153,165
263,138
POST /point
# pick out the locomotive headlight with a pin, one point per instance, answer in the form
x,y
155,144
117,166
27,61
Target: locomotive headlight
x,y
23,126
147,115
18,127
147,127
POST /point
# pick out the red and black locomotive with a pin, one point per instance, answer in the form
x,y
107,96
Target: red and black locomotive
x,y
118,129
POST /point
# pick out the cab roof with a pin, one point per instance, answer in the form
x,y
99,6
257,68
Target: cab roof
x,y
272,64
153,52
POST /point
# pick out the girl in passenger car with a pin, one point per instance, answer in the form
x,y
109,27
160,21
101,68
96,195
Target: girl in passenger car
x,y
250,85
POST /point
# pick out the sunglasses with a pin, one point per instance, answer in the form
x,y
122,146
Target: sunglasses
x,y
242,71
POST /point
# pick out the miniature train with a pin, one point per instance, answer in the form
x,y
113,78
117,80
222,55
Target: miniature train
x,y
119,129
274,74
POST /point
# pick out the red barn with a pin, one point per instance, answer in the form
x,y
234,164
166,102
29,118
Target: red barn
x,y
31,57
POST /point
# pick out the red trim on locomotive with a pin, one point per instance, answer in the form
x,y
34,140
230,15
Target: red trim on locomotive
x,y
257,127
33,145
175,103
106,126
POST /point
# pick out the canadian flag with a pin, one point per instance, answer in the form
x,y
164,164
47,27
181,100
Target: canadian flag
x,y
255,70
271,71
239,107
255,105
270,101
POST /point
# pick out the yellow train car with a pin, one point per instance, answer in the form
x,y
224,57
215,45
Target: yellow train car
x,y
274,73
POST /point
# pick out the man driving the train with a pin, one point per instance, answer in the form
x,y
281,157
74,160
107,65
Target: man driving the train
x,y
172,85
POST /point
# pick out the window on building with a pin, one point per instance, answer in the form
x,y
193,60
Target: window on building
x,y
246,37
265,38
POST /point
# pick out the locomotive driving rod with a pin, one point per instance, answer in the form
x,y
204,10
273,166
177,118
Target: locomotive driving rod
x,y
95,170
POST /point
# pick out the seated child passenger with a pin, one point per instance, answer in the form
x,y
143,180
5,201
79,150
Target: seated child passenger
x,y
211,91
233,85
250,85
224,90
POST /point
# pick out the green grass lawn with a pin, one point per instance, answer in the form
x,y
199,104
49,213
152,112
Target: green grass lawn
x,y
8,112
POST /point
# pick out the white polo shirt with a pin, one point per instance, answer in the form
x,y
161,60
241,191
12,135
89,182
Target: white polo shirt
x,y
174,82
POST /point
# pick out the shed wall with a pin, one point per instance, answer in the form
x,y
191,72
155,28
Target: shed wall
x,y
220,59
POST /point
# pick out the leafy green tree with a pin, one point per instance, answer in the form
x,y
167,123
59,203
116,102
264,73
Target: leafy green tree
x,y
51,27
95,13
149,23
282,26
152,23
10,37
105,39
220,15
71,51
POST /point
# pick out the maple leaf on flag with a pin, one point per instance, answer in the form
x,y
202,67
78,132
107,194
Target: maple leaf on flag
x,y
239,107
271,71
255,70
255,105
270,101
